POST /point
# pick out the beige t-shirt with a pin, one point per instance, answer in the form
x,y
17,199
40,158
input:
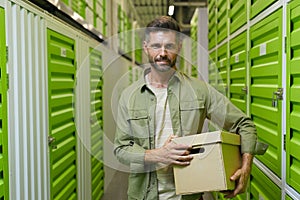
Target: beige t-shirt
x,y
163,130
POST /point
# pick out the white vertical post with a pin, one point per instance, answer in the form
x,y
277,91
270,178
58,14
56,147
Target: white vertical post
x,y
27,102
284,101
202,50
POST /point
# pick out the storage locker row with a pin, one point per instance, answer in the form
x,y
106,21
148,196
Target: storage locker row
x,y
227,16
55,134
4,174
263,81
129,37
293,91
194,37
92,11
260,188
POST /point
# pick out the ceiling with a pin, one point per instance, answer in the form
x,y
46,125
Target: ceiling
x,y
146,10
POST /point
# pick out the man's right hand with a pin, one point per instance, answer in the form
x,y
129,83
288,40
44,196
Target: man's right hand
x,y
169,154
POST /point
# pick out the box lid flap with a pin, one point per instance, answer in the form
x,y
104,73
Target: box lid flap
x,y
209,138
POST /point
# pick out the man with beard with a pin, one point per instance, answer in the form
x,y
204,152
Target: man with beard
x,y
164,104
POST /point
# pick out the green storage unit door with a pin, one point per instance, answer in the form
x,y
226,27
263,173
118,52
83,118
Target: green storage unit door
x,y
258,6
96,78
138,48
238,197
266,79
237,14
237,70
79,7
121,28
221,20
62,131
212,24
288,198
261,187
4,191
194,49
66,2
293,94
128,37
212,70
100,22
222,65
104,18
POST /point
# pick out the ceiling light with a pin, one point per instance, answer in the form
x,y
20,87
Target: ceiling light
x,y
171,10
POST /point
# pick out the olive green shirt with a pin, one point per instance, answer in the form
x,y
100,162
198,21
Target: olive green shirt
x,y
191,101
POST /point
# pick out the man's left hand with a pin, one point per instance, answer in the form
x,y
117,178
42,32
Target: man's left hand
x,y
241,176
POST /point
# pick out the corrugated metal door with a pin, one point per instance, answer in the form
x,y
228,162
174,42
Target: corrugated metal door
x,y
212,68
62,132
79,7
194,31
222,64
258,6
238,63
27,103
96,124
293,94
220,196
261,187
4,191
265,86
221,20
237,14
212,24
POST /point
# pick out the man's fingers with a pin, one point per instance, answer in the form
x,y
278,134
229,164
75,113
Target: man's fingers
x,y
181,163
185,158
236,175
170,138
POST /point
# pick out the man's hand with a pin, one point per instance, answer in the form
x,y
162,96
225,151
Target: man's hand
x,y
241,176
169,153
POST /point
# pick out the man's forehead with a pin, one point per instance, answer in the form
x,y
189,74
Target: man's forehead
x,y
163,36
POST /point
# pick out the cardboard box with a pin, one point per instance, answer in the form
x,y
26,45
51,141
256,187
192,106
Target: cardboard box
x,y
216,157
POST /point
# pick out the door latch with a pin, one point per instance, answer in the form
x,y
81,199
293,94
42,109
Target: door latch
x,y
277,95
51,140
245,90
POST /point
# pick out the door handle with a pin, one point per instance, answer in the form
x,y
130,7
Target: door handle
x,y
51,140
277,95
245,89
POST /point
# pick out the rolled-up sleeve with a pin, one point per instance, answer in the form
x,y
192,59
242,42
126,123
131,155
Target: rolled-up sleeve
x,y
125,149
227,116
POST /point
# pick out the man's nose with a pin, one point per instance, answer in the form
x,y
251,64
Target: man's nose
x,y
163,51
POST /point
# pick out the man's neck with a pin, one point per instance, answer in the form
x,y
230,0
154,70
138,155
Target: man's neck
x,y
160,79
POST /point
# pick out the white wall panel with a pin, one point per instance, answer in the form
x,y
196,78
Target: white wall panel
x,y
82,119
27,104
202,36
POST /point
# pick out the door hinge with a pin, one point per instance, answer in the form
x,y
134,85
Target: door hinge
x,y
248,56
6,54
284,142
7,81
285,44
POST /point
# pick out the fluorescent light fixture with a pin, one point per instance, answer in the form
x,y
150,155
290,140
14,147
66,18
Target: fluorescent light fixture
x,y
171,10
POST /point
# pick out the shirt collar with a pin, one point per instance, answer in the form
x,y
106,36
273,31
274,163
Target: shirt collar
x,y
177,77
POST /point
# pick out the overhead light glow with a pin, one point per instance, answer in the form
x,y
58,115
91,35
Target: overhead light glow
x,y
171,10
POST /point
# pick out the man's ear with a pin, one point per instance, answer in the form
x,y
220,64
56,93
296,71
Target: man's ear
x,y
145,47
179,46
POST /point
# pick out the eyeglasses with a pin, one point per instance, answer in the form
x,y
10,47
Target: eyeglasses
x,y
167,47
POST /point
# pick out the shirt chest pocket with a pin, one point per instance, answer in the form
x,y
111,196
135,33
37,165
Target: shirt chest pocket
x,y
139,126
192,116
